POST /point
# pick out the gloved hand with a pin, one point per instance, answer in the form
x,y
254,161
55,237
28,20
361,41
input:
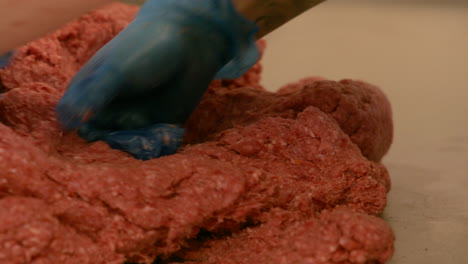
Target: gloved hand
x,y
155,72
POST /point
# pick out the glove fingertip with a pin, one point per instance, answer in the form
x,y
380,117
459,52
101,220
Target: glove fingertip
x,y
69,117
73,110
156,141
88,93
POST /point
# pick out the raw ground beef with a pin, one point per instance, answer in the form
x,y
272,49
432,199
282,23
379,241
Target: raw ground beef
x,y
287,237
361,110
286,177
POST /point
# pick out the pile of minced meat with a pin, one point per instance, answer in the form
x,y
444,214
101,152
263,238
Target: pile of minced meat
x,y
286,177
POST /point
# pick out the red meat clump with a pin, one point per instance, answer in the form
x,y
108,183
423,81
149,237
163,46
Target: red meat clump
x,y
286,177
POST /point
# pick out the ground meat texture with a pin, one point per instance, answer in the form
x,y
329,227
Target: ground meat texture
x,y
361,110
285,237
30,232
292,170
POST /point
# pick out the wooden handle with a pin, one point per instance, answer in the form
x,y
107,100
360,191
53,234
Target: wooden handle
x,y
133,2
271,14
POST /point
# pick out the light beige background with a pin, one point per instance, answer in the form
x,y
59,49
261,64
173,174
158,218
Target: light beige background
x,y
418,54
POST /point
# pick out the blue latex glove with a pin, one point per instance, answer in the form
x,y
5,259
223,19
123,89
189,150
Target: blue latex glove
x,y
156,71
5,58
159,140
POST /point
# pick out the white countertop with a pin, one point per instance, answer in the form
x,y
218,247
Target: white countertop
x,y
419,56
